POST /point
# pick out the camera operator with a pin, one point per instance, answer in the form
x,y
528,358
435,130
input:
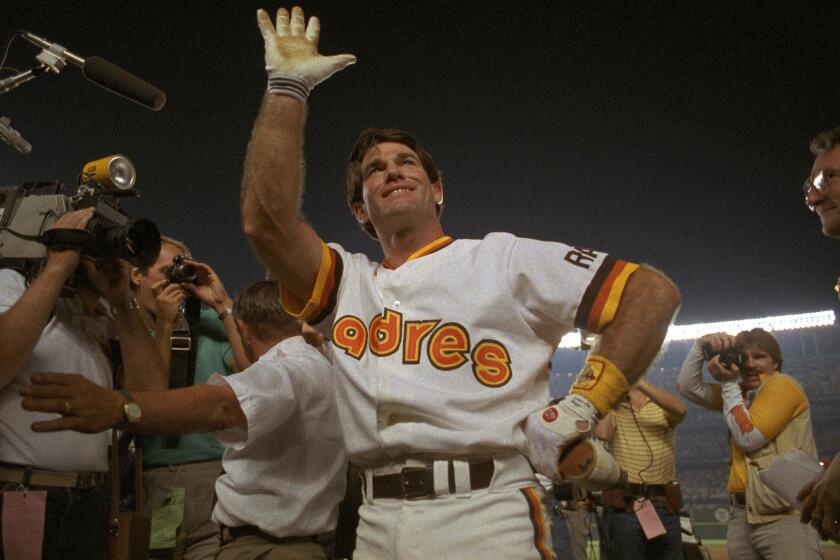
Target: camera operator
x,y
767,414
822,194
44,332
182,471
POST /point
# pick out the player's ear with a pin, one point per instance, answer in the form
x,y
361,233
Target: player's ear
x,y
360,213
437,192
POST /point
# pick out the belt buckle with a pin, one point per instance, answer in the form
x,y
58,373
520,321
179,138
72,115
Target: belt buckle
x,y
414,488
84,480
180,343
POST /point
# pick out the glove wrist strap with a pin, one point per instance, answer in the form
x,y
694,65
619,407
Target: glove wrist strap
x,y
280,83
601,382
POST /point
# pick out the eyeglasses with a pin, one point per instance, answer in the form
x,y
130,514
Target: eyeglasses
x,y
820,180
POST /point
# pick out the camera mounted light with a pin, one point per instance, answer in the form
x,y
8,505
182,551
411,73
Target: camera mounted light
x,y
115,174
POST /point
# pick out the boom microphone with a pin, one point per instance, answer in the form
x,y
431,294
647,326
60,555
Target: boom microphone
x,y
106,74
113,78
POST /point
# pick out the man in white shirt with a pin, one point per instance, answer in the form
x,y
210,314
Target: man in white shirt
x,y
284,463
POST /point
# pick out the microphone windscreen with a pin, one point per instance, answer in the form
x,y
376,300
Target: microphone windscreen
x,y
113,78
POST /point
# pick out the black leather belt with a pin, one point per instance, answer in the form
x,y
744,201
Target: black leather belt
x,y
737,499
418,483
644,490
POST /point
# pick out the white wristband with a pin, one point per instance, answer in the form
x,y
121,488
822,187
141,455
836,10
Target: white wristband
x,y
280,83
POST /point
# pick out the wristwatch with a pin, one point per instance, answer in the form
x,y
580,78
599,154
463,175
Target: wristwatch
x,y
131,409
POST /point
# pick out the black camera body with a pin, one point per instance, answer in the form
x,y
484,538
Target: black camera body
x,y
27,212
733,356
181,271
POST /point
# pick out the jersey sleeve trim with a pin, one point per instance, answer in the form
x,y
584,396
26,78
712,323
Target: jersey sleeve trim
x,y
600,301
322,300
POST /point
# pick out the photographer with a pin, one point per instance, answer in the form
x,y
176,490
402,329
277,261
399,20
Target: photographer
x,y
44,332
767,414
182,471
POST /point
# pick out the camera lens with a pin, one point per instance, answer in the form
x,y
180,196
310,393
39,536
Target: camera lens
x,y
138,242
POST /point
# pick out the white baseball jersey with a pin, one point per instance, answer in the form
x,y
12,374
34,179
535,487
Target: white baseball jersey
x,y
448,354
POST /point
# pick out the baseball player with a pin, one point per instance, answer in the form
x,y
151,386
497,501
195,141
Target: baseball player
x,y
442,349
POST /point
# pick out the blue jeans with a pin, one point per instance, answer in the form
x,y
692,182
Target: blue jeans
x,y
74,523
628,542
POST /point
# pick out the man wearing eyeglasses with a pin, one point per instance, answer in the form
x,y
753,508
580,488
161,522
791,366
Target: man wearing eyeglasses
x,y
822,188
821,505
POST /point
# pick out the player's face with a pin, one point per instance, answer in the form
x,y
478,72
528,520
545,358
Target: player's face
x,y
396,186
758,362
826,203
143,283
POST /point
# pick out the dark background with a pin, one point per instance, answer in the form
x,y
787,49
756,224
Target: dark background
x,y
671,133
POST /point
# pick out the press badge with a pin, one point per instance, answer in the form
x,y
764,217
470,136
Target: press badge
x,y
23,524
648,519
166,519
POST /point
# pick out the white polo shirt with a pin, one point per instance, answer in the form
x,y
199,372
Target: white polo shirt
x,y
71,342
286,473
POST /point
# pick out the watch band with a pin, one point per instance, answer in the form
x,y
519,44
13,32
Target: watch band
x,y
224,313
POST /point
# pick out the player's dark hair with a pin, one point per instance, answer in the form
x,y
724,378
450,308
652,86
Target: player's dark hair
x,y
763,340
371,137
258,306
825,141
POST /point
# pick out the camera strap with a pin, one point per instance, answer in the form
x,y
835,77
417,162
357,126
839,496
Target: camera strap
x,y
67,238
183,345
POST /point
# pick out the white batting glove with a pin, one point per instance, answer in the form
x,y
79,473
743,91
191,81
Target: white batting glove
x,y
291,54
550,430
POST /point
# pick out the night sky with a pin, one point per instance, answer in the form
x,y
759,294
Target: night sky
x,y
671,133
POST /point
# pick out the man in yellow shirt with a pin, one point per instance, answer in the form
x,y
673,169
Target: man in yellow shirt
x,y
641,434
767,414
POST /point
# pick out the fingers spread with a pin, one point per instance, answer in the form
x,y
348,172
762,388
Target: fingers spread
x,y
264,23
282,22
313,30
297,24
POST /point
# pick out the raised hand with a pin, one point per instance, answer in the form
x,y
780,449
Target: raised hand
x,y
67,260
208,287
168,298
291,49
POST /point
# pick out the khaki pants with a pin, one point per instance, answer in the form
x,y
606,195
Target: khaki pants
x,y
253,547
197,537
777,540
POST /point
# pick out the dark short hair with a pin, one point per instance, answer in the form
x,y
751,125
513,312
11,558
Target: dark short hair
x,y
763,340
825,141
369,138
258,306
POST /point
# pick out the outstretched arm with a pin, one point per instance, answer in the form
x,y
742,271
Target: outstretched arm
x,y
674,408
272,185
89,408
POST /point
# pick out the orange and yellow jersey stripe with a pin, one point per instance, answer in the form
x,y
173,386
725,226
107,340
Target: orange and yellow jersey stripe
x,y
322,300
600,301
